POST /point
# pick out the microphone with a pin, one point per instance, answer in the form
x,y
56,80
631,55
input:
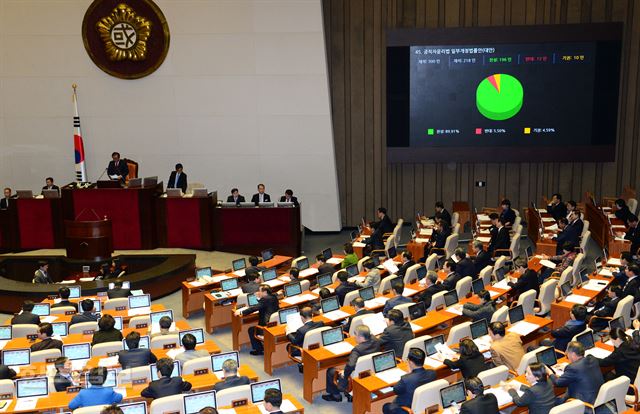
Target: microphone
x,y
103,171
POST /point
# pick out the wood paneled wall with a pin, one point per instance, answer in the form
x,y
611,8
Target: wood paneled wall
x,y
355,33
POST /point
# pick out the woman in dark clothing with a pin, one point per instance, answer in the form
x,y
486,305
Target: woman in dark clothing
x,y
625,358
471,361
107,331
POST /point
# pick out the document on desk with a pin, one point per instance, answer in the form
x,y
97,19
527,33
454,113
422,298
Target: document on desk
x,y
335,260
26,404
614,262
308,272
139,311
109,361
409,292
226,411
523,328
375,302
425,232
375,322
493,293
483,239
605,272
503,396
299,299
600,353
548,219
358,244
595,285
455,309
339,348
67,282
483,217
548,263
239,273
433,363
391,376
273,282
577,299
542,210
294,322
335,315
197,283
421,240
503,284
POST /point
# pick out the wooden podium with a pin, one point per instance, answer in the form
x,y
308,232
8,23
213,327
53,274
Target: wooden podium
x,y
88,240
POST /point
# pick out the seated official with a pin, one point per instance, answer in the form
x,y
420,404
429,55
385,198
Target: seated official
x,y
235,197
118,291
397,333
571,232
87,314
373,276
273,401
465,266
482,257
253,281
297,338
107,331
358,306
502,241
49,185
45,333
96,394
294,274
135,356
178,179
64,294
439,236
408,383
539,397
365,345
41,276
622,211
65,377
507,214
209,410
117,168
582,376
7,199
453,277
564,261
254,264
323,266
632,286
432,287
605,309
26,316
231,378
288,197
407,262
471,361
633,234
477,401
350,257
397,288
165,385
383,225
557,208
260,196
576,324
267,304
441,213
528,279
6,372
114,409
484,310
506,347
625,358
165,327
189,343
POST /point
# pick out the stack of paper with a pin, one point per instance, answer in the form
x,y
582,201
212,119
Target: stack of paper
x,y
197,283
433,363
595,285
455,309
375,322
409,292
425,232
67,281
339,348
336,315
483,217
421,240
26,404
299,299
294,322
239,273
376,302
358,244
391,376
548,263
548,219
335,260
483,239
577,299
308,272
503,284
390,265
523,328
599,353
605,272
226,411
614,262
503,396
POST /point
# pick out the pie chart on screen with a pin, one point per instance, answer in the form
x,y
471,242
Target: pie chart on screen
x,y
499,96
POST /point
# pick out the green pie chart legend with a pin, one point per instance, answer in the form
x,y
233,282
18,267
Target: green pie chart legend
x,y
499,97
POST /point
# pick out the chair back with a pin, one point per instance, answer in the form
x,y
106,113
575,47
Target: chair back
x,y
585,227
436,301
431,262
314,336
528,358
455,228
450,245
7,387
78,328
355,322
565,275
105,348
570,407
485,275
305,285
162,340
361,263
463,286
427,395
414,343
455,218
493,376
140,320
94,409
585,239
350,296
112,304
388,244
189,367
294,262
404,308
458,332
126,376
632,203
61,310
585,331
21,330
42,356
499,267
615,389
226,397
385,284
577,267
500,315
242,300
527,300
624,309
411,274
517,225
171,404
364,363
547,296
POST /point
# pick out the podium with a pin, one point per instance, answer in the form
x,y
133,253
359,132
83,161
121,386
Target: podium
x,y
88,240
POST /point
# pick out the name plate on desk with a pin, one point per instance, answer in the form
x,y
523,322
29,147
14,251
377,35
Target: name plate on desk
x,y
169,346
88,332
202,371
32,337
112,354
142,325
272,324
52,297
239,403
314,346
70,312
6,396
48,361
121,308
102,294
138,381
73,390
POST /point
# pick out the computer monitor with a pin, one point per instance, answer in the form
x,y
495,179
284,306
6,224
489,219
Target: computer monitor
x,y
430,344
268,204
610,407
203,272
477,286
174,192
97,306
421,272
325,279
391,253
135,182
119,325
195,402
16,357
60,328
269,274
516,314
6,333
292,289
140,301
134,408
41,309
24,193
354,235
352,270
267,254
283,313
258,389
450,298
229,284
110,381
75,292
302,264
479,328
367,293
156,316
613,323
155,375
584,275
547,356
145,343
332,336
252,300
32,387
586,339
198,333
77,351
330,304
417,310
565,288
327,254
384,361
200,192
454,393
218,359
150,181
238,264
51,193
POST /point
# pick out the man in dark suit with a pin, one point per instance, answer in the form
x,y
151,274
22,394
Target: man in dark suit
x,y
397,288
297,337
26,317
135,356
358,305
433,287
87,314
231,378
507,213
178,179
452,276
165,385
344,287
6,372
557,208
235,197
384,222
6,200
575,325
118,291
408,383
41,276
117,169
323,266
582,376
260,196
407,262
571,232
484,310
64,377
45,333
439,236
397,333
365,345
501,241
632,287
267,304
253,281
288,197
528,279
465,266
273,401
478,402
64,294
539,398
441,213
383,225
482,258
605,308
633,234
50,185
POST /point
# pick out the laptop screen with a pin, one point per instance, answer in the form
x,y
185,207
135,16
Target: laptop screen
x,y
450,298
609,407
330,304
421,272
547,356
269,274
384,361
302,264
97,306
5,333
193,403
118,320
367,293
77,351
613,323
454,393
75,292
586,339
198,333
218,359
327,254
258,389
15,357
41,309
203,272
155,375
332,336
32,387
238,264
144,343
266,254
60,328
566,288
516,314
479,328
283,313
325,279
477,286
229,284
417,310
292,289
141,301
252,300
111,381
352,270
430,344
391,253
134,408
156,316
354,235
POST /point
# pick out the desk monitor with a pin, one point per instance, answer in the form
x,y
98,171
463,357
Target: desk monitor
x,y
16,357
125,285
5,333
267,254
32,387
391,253
330,304
239,264
417,310
479,329
119,325
155,375
218,359
565,288
258,389
75,292
352,270
174,192
477,286
145,343
140,301
77,351
200,192
197,332
324,279
327,254
111,381
24,194
134,408
454,393
149,181
246,204
384,361
156,316
252,300
610,407
302,264
430,344
516,314
367,293
450,298
266,204
269,274
60,328
193,403
283,313
41,309
280,204
613,323
203,272
586,339
332,336
51,193
229,284
354,235
97,306
135,182
547,356
229,204
584,275
421,272
292,289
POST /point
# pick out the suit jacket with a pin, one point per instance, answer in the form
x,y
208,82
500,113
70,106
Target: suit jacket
x,y
250,287
482,260
395,336
633,235
486,403
182,181
41,277
48,343
83,317
567,331
347,325
606,307
122,168
393,302
539,398
507,351
470,365
479,312
529,280
428,293
465,267
558,211
136,358
439,238
583,379
444,215
297,337
239,200
61,383
230,382
266,306
623,213
25,318
402,270
65,303
624,359
95,396
450,282
293,200
365,348
508,215
343,289
571,233
632,287
164,387
500,241
118,293
111,335
256,198
4,204
6,372
372,279
326,268
408,383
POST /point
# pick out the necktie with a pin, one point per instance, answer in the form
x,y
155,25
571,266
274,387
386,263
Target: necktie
x,y
177,178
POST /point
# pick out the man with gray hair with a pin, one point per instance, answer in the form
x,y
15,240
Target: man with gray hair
x,y
582,376
432,288
365,345
231,378
482,257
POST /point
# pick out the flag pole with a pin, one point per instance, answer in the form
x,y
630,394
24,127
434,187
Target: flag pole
x,y
78,145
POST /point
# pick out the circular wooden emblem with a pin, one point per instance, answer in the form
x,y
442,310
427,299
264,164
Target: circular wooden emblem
x,y
128,39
